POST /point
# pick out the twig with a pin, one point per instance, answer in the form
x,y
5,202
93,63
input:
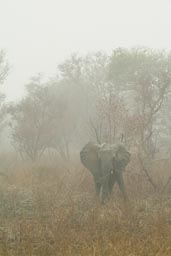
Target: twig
x,y
147,174
165,186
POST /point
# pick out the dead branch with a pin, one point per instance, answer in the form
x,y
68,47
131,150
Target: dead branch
x,y
166,185
147,173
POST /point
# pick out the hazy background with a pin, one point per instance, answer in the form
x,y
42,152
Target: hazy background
x,y
37,35
85,70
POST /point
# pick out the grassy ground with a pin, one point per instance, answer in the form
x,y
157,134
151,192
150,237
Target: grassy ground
x,y
50,212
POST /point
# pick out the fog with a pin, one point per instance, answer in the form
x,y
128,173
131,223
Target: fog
x,y
85,127
38,35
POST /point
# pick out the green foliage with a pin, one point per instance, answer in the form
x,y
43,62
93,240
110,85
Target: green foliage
x,y
116,98
4,71
36,119
143,76
4,66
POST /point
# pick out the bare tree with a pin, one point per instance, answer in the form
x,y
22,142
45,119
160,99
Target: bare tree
x,y
146,74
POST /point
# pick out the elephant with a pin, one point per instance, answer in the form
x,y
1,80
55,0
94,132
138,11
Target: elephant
x,y
107,164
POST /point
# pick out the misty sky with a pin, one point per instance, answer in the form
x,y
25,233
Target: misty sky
x,y
39,34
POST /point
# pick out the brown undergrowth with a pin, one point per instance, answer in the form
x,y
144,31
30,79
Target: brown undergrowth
x,y
53,211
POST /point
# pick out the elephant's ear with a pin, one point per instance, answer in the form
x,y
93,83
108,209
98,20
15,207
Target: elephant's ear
x,y
89,157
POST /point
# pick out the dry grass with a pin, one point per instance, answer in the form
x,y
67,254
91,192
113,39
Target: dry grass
x,y
44,211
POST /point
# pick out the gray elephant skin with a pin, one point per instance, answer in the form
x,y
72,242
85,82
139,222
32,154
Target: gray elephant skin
x,y
107,164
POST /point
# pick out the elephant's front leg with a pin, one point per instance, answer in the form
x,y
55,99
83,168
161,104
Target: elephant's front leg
x,y
121,184
112,180
104,189
97,186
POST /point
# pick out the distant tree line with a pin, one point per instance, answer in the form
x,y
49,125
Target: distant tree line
x,y
123,97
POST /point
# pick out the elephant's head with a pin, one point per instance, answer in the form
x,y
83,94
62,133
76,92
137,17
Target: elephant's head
x,y
105,156
121,157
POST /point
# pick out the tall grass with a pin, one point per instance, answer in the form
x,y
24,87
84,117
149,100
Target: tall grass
x,y
53,211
